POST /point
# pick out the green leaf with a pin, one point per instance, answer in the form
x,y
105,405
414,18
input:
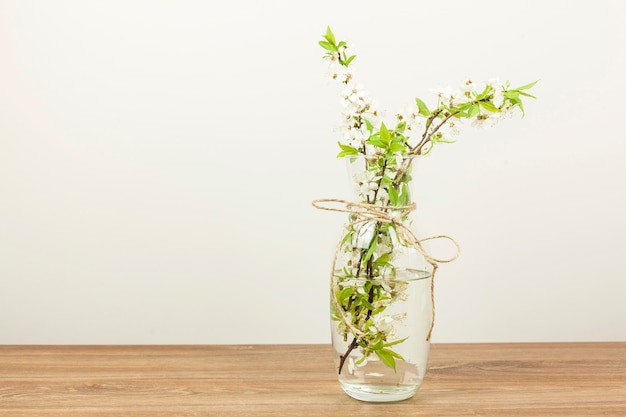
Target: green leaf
x,y
363,301
371,250
459,112
386,358
526,94
330,37
382,259
393,196
487,105
377,342
446,141
423,109
346,150
347,237
473,111
511,94
397,147
360,361
349,59
527,86
395,342
430,148
386,180
344,294
328,46
405,196
369,125
487,91
346,147
384,134
394,354
375,141
465,107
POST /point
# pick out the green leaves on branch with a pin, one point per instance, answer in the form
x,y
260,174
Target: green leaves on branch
x,y
468,103
346,150
513,96
527,87
399,195
421,106
489,106
388,357
390,141
330,37
328,46
336,49
361,297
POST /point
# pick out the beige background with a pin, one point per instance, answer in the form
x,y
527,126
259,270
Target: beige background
x,y
158,159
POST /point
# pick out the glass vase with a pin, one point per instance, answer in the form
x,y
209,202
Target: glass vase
x,y
381,286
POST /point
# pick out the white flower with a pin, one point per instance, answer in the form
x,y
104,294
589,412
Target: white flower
x,y
485,120
364,233
382,324
354,95
353,135
351,365
339,72
367,184
449,97
498,97
494,82
393,235
333,59
411,116
386,272
352,282
374,151
469,88
450,129
498,91
508,113
374,114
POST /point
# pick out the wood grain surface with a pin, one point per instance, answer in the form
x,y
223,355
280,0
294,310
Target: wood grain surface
x,y
539,379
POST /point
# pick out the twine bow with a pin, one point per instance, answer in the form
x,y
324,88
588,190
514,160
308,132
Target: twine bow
x,y
392,215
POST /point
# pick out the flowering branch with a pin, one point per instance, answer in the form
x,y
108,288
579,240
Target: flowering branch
x,y
366,285
485,104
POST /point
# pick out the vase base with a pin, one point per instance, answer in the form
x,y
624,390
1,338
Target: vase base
x,y
379,393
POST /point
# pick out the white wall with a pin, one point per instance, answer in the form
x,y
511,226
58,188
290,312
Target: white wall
x,y
158,160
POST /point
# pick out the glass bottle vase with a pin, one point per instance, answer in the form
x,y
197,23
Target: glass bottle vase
x,y
381,287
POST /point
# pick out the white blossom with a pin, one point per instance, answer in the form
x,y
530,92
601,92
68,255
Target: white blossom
x,y
352,283
339,72
364,233
498,91
485,120
413,119
367,184
449,130
382,323
354,95
448,96
469,88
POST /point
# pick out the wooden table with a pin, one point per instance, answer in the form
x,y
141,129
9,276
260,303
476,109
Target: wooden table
x,y
539,379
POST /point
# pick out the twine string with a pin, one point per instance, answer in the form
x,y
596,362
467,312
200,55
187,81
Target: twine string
x,y
385,214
